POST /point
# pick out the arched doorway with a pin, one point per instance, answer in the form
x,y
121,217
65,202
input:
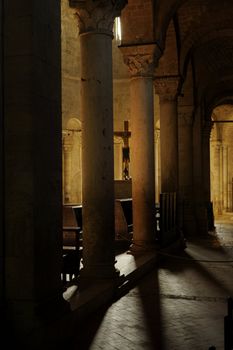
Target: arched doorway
x,y
221,155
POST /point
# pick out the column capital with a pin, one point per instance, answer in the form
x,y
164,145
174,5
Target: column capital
x,y
97,15
141,59
167,87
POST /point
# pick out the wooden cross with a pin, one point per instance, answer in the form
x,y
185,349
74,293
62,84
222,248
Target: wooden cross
x,y
125,150
125,134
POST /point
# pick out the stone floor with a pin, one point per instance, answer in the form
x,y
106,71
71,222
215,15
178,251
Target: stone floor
x,y
178,306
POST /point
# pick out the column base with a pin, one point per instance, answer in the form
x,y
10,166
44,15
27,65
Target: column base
x,y
98,272
140,247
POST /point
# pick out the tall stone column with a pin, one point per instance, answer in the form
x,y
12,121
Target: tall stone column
x,y
2,185
118,144
67,166
225,178
206,172
216,178
198,174
166,88
140,61
95,20
157,165
32,167
185,127
206,159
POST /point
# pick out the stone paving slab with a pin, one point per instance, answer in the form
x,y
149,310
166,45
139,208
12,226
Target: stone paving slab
x,y
180,305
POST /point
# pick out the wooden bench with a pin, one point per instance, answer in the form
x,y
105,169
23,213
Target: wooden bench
x,y
123,223
127,208
72,249
166,219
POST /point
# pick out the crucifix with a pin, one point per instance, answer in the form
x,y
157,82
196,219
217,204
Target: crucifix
x,y
125,135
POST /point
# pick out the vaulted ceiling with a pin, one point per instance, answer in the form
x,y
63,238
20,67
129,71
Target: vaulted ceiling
x,y
194,35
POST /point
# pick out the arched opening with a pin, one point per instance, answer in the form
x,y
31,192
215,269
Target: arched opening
x,y
221,161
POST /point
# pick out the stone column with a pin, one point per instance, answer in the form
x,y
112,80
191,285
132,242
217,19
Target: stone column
x,y
225,178
216,186
206,172
198,174
95,20
185,127
166,88
67,166
2,185
140,61
32,167
206,159
157,165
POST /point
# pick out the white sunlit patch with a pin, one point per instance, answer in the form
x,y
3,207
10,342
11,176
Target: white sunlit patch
x,y
118,34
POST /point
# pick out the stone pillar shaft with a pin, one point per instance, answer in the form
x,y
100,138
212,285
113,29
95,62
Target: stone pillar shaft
x,y
199,193
157,166
97,153
2,178
167,90
185,125
169,146
216,179
206,160
67,167
95,19
143,188
141,61
225,178
32,166
185,155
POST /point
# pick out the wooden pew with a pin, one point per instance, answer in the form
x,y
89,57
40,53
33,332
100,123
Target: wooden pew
x,y
166,219
78,215
72,234
127,208
123,223
72,249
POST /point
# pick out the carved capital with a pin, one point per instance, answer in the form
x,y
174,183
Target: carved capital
x,y
97,15
167,87
141,59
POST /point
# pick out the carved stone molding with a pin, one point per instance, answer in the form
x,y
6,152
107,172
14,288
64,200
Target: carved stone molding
x,y
141,59
97,15
167,87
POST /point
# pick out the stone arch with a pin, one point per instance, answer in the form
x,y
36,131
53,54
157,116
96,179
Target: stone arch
x,y
220,93
168,63
199,35
164,13
222,156
74,123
